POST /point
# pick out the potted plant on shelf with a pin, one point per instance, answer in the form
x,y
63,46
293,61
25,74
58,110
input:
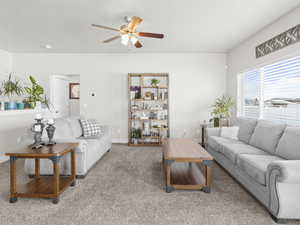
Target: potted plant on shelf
x,y
35,94
154,82
11,89
136,134
221,110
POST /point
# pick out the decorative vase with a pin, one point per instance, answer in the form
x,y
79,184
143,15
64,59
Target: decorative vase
x,y
50,132
135,141
20,105
10,105
216,122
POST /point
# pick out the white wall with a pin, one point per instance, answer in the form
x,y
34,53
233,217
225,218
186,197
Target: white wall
x,y
5,62
12,127
195,81
243,58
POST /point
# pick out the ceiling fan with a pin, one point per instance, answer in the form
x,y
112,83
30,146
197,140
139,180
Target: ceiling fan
x,y
128,32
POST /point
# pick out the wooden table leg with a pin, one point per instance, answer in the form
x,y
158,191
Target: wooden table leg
x,y
56,173
208,175
73,167
169,187
13,179
37,168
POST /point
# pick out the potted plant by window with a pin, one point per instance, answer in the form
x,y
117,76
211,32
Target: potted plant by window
x,y
136,134
221,110
154,82
35,94
11,89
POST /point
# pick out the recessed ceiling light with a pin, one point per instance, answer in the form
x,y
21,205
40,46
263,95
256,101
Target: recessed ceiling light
x,y
47,46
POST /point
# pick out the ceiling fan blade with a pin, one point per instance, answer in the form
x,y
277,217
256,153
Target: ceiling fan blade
x,y
135,21
112,39
104,27
138,44
150,35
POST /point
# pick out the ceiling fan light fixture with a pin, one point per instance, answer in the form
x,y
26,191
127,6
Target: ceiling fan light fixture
x,y
133,40
125,39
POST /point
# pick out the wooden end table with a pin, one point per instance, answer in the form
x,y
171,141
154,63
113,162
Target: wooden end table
x,y
43,186
180,159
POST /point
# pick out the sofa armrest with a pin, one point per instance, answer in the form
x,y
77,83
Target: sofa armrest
x,y
283,180
82,144
288,171
106,130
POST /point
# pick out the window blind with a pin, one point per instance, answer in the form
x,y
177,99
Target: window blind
x,y
272,92
281,91
251,94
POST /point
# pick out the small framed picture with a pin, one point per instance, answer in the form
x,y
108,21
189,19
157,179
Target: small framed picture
x,y
74,90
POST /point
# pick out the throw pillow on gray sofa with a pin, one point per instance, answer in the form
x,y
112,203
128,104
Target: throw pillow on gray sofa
x,y
90,128
246,128
266,135
289,144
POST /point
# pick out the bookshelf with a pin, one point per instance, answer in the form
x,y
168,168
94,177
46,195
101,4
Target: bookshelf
x,y
148,108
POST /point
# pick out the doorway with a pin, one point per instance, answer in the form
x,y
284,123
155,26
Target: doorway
x,y
62,97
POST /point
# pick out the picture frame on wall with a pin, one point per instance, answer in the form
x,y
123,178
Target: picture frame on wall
x,y
74,90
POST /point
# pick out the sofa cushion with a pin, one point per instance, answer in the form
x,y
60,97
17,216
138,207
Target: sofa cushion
x,y
75,126
63,129
229,132
231,151
246,128
216,142
289,144
256,165
266,135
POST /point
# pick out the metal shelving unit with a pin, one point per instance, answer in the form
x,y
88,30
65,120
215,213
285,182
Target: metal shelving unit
x,y
148,109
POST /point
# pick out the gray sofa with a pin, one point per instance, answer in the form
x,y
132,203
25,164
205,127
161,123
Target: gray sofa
x,y
264,157
88,152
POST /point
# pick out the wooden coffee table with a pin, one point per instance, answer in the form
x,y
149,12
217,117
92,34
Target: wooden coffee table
x,y
182,160
43,186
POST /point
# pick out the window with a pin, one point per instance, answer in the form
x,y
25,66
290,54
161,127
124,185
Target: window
x,y
272,92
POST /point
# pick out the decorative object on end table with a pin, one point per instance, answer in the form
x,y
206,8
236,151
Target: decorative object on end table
x,y
50,131
74,90
221,110
37,129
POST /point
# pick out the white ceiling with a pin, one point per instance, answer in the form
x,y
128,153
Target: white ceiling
x,y
188,25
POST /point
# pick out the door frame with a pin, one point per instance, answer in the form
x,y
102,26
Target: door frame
x,y
52,77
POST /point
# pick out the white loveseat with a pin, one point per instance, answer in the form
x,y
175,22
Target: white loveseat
x,y
88,152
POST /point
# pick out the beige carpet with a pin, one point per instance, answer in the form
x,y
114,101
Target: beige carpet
x,y
125,187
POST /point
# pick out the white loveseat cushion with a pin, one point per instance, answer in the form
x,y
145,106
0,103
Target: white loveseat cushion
x,y
266,135
289,144
256,165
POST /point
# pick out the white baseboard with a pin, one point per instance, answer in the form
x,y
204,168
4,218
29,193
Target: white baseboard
x,y
120,140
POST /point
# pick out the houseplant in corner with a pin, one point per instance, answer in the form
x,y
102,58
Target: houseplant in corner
x,y
11,89
221,110
35,93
